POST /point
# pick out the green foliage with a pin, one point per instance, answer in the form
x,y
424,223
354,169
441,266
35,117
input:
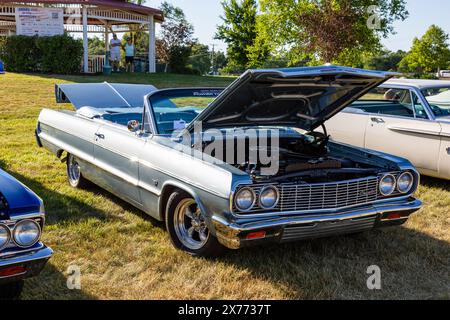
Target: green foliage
x,y
58,54
20,54
175,39
239,31
387,61
201,58
96,46
428,54
318,31
179,56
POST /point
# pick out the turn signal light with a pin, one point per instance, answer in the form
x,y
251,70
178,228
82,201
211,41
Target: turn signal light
x,y
394,216
12,271
255,235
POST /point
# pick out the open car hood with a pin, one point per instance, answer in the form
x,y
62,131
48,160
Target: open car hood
x,y
103,95
296,97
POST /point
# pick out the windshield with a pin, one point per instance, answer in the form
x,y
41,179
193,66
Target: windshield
x,y
439,100
174,109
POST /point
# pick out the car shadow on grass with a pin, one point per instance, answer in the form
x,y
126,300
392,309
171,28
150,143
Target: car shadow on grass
x,y
52,284
435,183
413,265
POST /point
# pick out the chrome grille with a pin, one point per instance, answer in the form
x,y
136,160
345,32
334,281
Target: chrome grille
x,y
305,197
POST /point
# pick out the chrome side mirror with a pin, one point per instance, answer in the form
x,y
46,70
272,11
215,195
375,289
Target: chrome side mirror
x,y
133,125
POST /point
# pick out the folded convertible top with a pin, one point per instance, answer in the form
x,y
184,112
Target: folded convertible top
x,y
103,95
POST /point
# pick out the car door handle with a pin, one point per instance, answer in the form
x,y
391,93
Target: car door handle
x,y
377,120
100,136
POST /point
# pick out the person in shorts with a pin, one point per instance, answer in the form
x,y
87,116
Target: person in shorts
x,y
115,45
129,55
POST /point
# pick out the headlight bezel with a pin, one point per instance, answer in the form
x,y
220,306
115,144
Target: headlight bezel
x,y
411,185
277,199
236,197
394,185
18,224
8,232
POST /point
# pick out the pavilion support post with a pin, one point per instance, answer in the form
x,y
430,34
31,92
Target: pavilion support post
x,y
106,38
85,41
151,45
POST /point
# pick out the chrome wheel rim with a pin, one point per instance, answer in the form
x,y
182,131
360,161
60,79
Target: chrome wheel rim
x,y
74,171
190,225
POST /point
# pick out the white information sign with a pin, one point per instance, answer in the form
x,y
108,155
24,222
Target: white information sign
x,y
43,22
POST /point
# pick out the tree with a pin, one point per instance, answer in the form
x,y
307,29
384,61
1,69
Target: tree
x,y
175,40
202,57
428,54
96,46
238,31
387,61
322,31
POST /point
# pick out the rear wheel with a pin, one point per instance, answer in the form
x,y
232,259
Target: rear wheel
x,y
74,175
187,227
11,291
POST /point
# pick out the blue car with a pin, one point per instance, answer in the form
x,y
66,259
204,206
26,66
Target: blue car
x,y
22,217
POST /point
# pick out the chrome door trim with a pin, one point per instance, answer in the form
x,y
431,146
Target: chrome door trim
x,y
418,131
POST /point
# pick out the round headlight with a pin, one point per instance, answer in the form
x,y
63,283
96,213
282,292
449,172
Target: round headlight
x,y
4,236
26,233
245,199
405,182
268,198
387,185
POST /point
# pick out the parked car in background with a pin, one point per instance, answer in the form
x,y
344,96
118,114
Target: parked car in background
x,y
403,117
443,74
22,218
146,146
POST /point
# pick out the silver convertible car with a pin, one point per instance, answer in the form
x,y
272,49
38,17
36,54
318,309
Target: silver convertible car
x,y
233,167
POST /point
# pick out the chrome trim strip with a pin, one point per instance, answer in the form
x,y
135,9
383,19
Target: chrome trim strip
x,y
121,97
42,253
411,130
119,174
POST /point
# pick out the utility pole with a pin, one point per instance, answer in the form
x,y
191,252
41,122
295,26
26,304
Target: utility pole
x,y
213,54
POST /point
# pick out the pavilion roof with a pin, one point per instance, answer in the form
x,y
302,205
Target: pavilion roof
x,y
114,4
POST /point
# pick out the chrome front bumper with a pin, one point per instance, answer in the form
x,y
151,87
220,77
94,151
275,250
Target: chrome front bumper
x,y
31,260
233,234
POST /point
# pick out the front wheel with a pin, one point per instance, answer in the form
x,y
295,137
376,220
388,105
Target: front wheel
x,y
76,179
11,291
187,227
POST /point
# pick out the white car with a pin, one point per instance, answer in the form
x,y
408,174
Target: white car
x,y
405,117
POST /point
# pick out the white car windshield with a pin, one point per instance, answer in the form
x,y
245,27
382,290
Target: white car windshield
x,y
439,100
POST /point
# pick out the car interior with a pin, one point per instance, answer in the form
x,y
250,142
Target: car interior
x,y
394,102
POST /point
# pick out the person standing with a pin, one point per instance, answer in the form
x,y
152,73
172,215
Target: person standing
x,y
115,45
129,55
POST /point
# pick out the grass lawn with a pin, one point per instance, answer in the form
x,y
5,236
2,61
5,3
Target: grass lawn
x,y
124,254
